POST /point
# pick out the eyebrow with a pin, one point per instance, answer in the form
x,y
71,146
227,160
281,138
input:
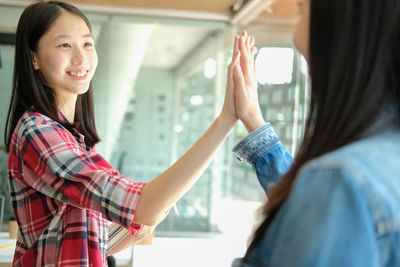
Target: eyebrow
x,y
66,36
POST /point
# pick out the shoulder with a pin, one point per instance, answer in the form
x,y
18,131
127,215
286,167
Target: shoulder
x,y
33,121
31,118
365,169
325,213
375,154
35,126
378,153
322,182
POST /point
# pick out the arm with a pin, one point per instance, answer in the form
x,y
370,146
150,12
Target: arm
x,y
326,221
162,192
263,150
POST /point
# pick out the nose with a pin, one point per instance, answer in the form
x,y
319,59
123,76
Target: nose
x,y
78,56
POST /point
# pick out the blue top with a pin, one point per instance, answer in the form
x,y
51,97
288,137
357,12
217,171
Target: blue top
x,y
343,210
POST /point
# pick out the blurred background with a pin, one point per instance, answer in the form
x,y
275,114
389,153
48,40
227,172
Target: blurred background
x,y
159,84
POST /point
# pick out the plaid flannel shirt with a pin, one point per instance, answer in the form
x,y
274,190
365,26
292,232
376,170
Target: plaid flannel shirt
x,y
64,194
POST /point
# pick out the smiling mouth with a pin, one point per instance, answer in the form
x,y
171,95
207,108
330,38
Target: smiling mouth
x,y
78,74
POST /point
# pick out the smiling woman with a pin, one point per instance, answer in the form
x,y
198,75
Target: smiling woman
x,y
67,60
34,78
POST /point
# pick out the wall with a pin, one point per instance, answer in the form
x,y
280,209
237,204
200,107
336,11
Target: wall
x,y
120,49
143,147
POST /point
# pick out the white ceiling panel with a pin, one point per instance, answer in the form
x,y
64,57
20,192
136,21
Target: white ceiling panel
x,y
169,44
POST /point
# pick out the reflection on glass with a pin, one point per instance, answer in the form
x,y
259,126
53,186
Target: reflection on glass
x,y
210,68
274,65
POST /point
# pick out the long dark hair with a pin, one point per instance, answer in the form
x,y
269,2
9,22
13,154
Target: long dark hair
x,y
355,71
29,93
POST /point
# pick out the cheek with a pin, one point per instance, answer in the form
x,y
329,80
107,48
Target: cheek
x,y
296,38
51,67
53,62
300,38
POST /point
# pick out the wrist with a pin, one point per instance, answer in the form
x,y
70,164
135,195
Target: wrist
x,y
252,125
226,122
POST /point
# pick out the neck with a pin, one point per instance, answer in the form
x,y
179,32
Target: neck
x,y
68,109
69,114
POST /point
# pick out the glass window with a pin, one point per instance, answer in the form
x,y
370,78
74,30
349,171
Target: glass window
x,y
159,85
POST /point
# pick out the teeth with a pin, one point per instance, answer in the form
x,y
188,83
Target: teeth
x,y
78,74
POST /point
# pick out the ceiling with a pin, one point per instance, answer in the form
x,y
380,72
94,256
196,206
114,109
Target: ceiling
x,y
170,43
216,6
282,9
279,8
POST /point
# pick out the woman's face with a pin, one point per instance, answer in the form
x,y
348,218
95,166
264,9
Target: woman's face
x,y
66,57
302,32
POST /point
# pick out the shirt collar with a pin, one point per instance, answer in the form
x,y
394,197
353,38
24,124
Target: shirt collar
x,y
62,117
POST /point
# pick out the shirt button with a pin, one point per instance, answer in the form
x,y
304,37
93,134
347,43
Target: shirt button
x,y
240,159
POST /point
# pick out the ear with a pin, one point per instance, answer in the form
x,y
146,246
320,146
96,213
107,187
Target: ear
x,y
35,60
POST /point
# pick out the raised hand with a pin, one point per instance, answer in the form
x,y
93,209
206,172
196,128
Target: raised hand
x,y
228,111
245,84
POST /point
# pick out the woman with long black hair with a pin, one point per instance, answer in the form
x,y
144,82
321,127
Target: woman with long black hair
x,y
338,202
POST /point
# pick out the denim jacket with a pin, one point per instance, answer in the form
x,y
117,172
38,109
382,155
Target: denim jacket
x,y
344,207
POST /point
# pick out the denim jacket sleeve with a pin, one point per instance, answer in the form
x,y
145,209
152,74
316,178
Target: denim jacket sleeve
x,y
263,150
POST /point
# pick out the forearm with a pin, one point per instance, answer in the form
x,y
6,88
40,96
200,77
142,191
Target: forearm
x,y
161,193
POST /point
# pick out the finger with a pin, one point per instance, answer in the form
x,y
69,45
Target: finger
x,y
253,56
248,43
243,49
252,61
253,52
252,41
240,94
240,87
244,60
236,46
255,73
235,60
236,57
245,36
235,43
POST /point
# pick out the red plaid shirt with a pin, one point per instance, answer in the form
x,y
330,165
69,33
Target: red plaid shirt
x,y
63,194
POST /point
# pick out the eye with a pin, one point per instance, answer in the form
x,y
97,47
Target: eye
x,y
88,44
64,45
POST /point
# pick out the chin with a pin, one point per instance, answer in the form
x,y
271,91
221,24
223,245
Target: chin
x,y
83,90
